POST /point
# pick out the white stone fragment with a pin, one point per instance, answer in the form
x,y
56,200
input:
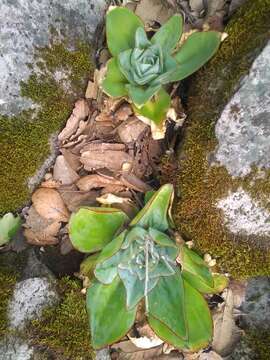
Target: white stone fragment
x,y
243,129
243,215
30,297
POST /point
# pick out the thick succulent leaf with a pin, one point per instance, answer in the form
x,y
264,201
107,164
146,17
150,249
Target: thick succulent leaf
x,y
198,320
164,333
141,40
121,26
125,66
110,249
88,265
115,82
166,303
140,96
136,233
134,287
148,196
195,265
109,318
196,51
154,113
106,271
219,283
91,229
161,239
155,213
169,34
169,63
9,225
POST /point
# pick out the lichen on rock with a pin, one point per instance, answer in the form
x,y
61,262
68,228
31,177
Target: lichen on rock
x,y
24,138
203,181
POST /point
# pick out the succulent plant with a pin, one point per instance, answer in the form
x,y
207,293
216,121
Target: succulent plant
x,y
143,264
141,68
9,225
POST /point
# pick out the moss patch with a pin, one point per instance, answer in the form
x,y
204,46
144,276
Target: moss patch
x,y
201,186
24,138
259,342
10,269
64,329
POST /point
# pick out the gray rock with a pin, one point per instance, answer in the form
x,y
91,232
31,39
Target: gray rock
x,y
30,297
242,132
25,25
244,126
13,348
256,307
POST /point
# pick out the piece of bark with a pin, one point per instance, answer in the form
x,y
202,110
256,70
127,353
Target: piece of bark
x,y
80,112
40,231
123,112
130,130
74,199
133,182
63,172
72,159
111,159
50,205
89,182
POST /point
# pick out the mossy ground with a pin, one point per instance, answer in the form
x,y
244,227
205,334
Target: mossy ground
x,y
200,186
259,342
64,329
24,139
10,271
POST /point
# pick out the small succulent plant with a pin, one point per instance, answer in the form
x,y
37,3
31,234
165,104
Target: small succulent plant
x,y
9,225
141,263
141,68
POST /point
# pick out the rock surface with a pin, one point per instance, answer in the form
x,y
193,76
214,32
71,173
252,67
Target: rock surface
x,y
224,157
243,128
26,25
30,297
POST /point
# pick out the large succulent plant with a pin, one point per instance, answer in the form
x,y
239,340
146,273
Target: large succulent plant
x,y
141,67
142,263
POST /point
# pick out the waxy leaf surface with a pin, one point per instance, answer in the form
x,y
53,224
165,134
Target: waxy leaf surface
x,y
109,318
121,26
92,228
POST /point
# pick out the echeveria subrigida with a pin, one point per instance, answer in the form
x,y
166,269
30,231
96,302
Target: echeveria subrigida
x,y
142,261
141,67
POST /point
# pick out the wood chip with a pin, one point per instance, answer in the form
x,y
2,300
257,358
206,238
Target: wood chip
x,y
51,183
80,112
132,182
72,159
130,130
74,199
89,182
63,172
124,112
111,159
49,204
40,231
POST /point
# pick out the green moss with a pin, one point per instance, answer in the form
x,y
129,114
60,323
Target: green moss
x,y
259,342
7,282
200,186
10,269
24,138
64,329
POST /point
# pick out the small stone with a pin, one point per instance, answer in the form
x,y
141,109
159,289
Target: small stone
x,y
30,297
